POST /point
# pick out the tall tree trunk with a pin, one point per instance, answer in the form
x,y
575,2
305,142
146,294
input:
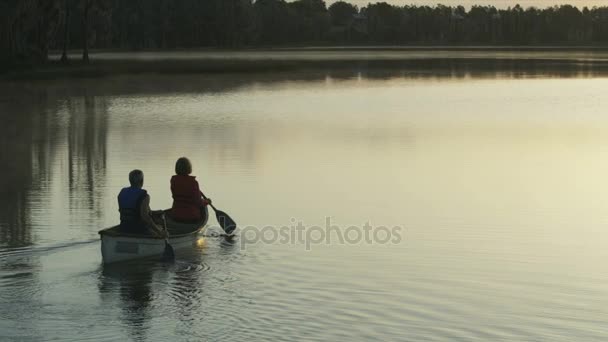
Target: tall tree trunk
x,y
66,33
85,32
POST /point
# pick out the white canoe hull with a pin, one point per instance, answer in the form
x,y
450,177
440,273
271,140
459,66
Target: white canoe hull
x,y
117,248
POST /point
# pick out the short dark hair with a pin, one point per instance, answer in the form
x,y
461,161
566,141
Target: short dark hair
x,y
136,178
183,166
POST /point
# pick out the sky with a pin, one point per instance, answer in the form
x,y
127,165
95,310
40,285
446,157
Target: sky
x,y
496,3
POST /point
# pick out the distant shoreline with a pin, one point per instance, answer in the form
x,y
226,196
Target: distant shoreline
x,y
214,61
55,54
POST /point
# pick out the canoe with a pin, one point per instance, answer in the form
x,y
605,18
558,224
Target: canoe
x,y
120,246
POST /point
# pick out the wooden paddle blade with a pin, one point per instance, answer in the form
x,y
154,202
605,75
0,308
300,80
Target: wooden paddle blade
x,y
169,253
227,223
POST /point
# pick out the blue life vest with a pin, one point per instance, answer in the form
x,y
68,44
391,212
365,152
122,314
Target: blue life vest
x,y
129,204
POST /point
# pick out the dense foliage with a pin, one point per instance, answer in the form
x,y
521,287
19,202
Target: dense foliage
x,y
29,28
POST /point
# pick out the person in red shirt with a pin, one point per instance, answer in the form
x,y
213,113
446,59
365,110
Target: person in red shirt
x,y
187,200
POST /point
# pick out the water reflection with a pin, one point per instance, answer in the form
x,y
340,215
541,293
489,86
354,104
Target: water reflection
x,y
28,143
46,131
187,288
57,130
133,284
497,199
19,281
142,288
87,135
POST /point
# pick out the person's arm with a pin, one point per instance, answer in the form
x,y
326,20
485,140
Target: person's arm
x,y
172,187
147,218
199,196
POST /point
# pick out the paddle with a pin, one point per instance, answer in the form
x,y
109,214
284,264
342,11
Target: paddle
x,y
227,223
169,253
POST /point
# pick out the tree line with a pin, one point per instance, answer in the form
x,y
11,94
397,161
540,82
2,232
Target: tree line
x,y
29,29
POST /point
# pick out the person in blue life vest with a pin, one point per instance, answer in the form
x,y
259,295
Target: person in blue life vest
x,y
134,208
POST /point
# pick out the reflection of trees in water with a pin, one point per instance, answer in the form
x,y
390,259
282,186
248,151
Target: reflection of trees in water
x,y
382,69
28,141
87,134
461,68
31,141
34,126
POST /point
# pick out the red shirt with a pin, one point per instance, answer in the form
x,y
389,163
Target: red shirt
x,y
187,200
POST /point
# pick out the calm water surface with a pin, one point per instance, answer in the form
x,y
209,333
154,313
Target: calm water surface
x,y
497,179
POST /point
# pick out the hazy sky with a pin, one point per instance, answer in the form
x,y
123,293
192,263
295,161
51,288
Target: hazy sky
x,y
497,3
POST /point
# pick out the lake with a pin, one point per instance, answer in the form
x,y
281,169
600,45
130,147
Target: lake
x,y
456,204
